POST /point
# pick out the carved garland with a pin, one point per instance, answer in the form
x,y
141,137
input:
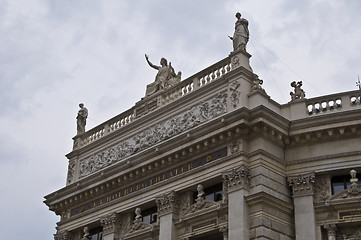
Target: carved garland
x,y
159,132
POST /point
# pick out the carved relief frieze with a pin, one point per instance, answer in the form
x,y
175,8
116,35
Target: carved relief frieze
x,y
168,203
237,179
71,172
302,185
234,89
322,188
111,223
350,233
159,132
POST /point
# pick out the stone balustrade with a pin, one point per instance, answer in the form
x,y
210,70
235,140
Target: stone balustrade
x,y
101,130
196,81
331,103
181,89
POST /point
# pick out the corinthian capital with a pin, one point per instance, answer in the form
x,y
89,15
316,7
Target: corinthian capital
x,y
110,223
168,203
302,185
237,178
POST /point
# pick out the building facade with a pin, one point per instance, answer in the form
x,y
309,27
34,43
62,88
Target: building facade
x,y
214,157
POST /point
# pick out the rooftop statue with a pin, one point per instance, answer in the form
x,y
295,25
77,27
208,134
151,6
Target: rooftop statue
x,y
81,119
241,33
165,77
298,92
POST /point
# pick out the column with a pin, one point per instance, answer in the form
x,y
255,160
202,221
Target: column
x,y
331,231
305,219
236,183
168,209
111,226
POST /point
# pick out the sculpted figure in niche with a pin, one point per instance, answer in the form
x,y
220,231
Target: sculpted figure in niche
x,y
241,34
298,92
165,77
81,119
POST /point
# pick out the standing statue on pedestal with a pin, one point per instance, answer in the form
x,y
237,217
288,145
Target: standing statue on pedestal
x,y
81,119
241,33
165,77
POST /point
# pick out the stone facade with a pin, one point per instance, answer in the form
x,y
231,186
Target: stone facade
x,y
267,171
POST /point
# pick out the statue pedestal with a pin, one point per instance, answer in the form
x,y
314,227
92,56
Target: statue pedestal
x,y
240,58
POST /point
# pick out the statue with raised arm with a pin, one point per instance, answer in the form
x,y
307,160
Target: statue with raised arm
x,y
81,119
165,77
241,33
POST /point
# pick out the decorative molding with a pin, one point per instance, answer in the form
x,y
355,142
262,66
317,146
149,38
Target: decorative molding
x,y
302,185
71,172
111,223
237,178
322,188
157,133
168,203
234,93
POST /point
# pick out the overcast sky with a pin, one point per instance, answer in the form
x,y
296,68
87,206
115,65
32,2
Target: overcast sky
x,y
55,54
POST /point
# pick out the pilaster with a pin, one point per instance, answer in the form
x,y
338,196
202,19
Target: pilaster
x,y
305,219
168,209
111,226
236,183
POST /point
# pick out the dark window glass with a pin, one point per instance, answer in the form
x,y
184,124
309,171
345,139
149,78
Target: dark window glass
x,y
150,215
96,233
340,183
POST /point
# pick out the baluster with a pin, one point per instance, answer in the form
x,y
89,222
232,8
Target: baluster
x,y
228,67
208,78
212,76
223,71
218,74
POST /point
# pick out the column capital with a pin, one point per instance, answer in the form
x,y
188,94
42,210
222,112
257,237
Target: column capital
x,y
331,230
168,203
237,178
111,223
302,185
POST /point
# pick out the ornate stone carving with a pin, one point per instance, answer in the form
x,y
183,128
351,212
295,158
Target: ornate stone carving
x,y
322,188
138,225
302,185
256,84
63,235
110,223
237,178
159,132
235,146
331,231
298,91
201,204
71,172
168,203
234,93
350,233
